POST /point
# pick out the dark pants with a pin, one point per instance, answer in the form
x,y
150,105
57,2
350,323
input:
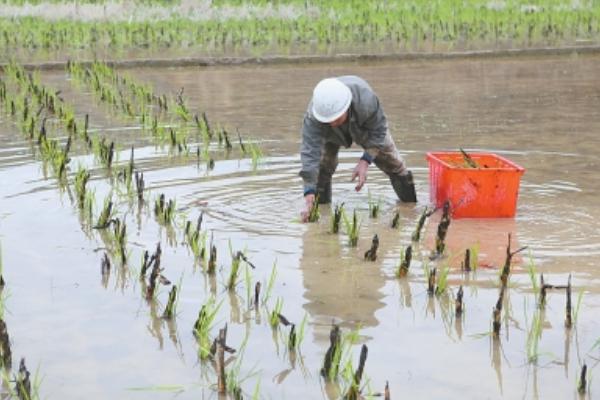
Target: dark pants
x,y
387,160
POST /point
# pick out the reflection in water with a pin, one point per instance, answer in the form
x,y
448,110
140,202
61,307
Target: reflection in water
x,y
405,293
567,351
497,361
344,290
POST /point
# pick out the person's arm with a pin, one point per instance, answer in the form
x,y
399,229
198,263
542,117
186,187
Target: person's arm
x,y
371,118
310,157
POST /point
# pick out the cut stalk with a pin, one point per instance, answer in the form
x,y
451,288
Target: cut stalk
x,y
582,384
22,382
212,261
5,352
171,303
330,362
256,295
396,220
405,262
354,391
442,231
497,314
431,281
337,218
416,236
371,254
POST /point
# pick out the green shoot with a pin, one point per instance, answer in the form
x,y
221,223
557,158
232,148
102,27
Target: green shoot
x,y
106,214
578,305
270,283
352,228
164,211
248,284
203,325
474,256
81,179
534,335
342,356
314,214
233,273
302,330
337,217
374,206
274,316
442,283
531,271
171,303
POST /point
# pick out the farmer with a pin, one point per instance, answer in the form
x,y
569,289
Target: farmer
x,y
344,110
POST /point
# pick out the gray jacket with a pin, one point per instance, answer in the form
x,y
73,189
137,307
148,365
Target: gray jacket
x,y
366,125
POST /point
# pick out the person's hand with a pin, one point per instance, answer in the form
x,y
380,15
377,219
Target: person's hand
x,y
360,172
309,200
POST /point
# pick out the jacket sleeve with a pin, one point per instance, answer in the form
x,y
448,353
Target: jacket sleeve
x,y
310,153
373,120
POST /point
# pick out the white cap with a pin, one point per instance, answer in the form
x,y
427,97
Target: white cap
x,y
331,99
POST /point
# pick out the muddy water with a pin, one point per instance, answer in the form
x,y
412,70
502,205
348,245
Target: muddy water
x,y
98,338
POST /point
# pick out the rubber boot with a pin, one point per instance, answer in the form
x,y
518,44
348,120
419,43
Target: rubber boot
x,y
404,187
324,192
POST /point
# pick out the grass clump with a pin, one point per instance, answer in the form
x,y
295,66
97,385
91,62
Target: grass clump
x,y
203,325
374,206
164,211
352,228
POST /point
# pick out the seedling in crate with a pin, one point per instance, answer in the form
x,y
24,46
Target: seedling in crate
x,y
468,160
371,254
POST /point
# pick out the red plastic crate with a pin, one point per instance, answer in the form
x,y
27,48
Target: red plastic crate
x,y
489,191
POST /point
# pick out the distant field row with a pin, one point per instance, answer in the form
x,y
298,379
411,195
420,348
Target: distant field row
x,y
255,25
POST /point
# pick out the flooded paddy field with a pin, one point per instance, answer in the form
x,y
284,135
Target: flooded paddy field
x,y
89,330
